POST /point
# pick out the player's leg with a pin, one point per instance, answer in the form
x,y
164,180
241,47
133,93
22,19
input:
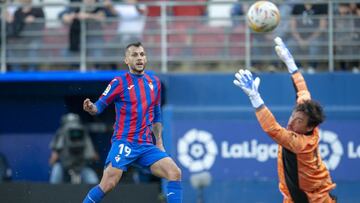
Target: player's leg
x,y
167,168
111,177
163,166
116,162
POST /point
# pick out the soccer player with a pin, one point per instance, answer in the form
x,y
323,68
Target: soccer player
x,y
302,174
137,96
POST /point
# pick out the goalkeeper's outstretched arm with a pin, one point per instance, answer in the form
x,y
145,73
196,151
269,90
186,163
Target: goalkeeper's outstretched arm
x,y
302,92
282,136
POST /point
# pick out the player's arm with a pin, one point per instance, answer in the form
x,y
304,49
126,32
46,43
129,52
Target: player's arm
x,y
302,92
157,130
112,91
157,122
292,141
287,139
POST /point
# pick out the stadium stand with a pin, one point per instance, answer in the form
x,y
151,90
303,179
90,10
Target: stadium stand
x,y
193,29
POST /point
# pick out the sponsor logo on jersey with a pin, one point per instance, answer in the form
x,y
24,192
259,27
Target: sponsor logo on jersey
x,y
117,158
107,90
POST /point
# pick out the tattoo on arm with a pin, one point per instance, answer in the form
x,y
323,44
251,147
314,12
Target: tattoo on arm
x,y
157,129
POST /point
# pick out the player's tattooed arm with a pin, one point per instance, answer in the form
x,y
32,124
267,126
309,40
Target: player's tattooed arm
x,y
157,130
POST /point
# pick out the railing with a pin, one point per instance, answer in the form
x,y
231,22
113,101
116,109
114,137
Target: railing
x,y
176,35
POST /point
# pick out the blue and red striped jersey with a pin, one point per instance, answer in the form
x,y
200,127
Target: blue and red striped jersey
x,y
137,101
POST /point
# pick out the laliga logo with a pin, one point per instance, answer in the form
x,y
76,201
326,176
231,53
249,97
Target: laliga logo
x,y
197,150
330,143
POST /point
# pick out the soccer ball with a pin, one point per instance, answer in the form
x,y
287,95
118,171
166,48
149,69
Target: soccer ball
x,y
263,16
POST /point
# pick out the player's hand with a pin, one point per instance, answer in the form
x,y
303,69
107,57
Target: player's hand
x,y
89,107
284,54
245,80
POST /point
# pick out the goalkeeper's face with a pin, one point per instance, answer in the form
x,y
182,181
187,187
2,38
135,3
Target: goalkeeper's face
x,y
136,59
298,123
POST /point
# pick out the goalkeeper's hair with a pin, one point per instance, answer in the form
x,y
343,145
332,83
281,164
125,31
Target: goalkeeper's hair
x,y
313,110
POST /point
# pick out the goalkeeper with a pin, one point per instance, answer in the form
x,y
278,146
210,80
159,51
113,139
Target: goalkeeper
x,y
302,174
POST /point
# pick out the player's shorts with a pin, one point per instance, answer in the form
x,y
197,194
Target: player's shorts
x,y
123,153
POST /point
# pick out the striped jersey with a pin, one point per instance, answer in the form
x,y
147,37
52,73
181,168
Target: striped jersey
x,y
137,101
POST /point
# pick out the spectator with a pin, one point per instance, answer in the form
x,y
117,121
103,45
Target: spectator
x,y
354,7
9,18
131,20
128,19
72,150
308,25
237,12
27,18
345,35
356,13
93,17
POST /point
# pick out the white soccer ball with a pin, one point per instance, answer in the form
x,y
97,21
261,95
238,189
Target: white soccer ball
x,y
263,16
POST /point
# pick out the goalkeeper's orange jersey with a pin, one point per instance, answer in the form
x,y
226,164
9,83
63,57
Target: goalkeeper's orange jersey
x,y
302,174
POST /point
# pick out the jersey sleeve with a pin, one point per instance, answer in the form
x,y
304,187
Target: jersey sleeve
x,y
112,92
157,107
302,92
290,140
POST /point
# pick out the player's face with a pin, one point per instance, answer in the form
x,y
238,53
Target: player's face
x,y
136,59
298,123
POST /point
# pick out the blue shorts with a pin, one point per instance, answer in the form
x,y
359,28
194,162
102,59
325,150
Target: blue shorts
x,y
123,153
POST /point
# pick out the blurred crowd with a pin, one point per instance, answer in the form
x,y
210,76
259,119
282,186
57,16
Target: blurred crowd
x,y
304,28
53,35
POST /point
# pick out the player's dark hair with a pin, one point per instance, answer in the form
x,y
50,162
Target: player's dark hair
x,y
313,110
135,44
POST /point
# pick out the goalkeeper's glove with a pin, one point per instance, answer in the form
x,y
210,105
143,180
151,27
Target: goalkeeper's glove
x,y
285,55
245,81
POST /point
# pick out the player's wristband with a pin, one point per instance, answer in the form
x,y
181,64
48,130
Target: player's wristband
x,y
256,100
292,67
